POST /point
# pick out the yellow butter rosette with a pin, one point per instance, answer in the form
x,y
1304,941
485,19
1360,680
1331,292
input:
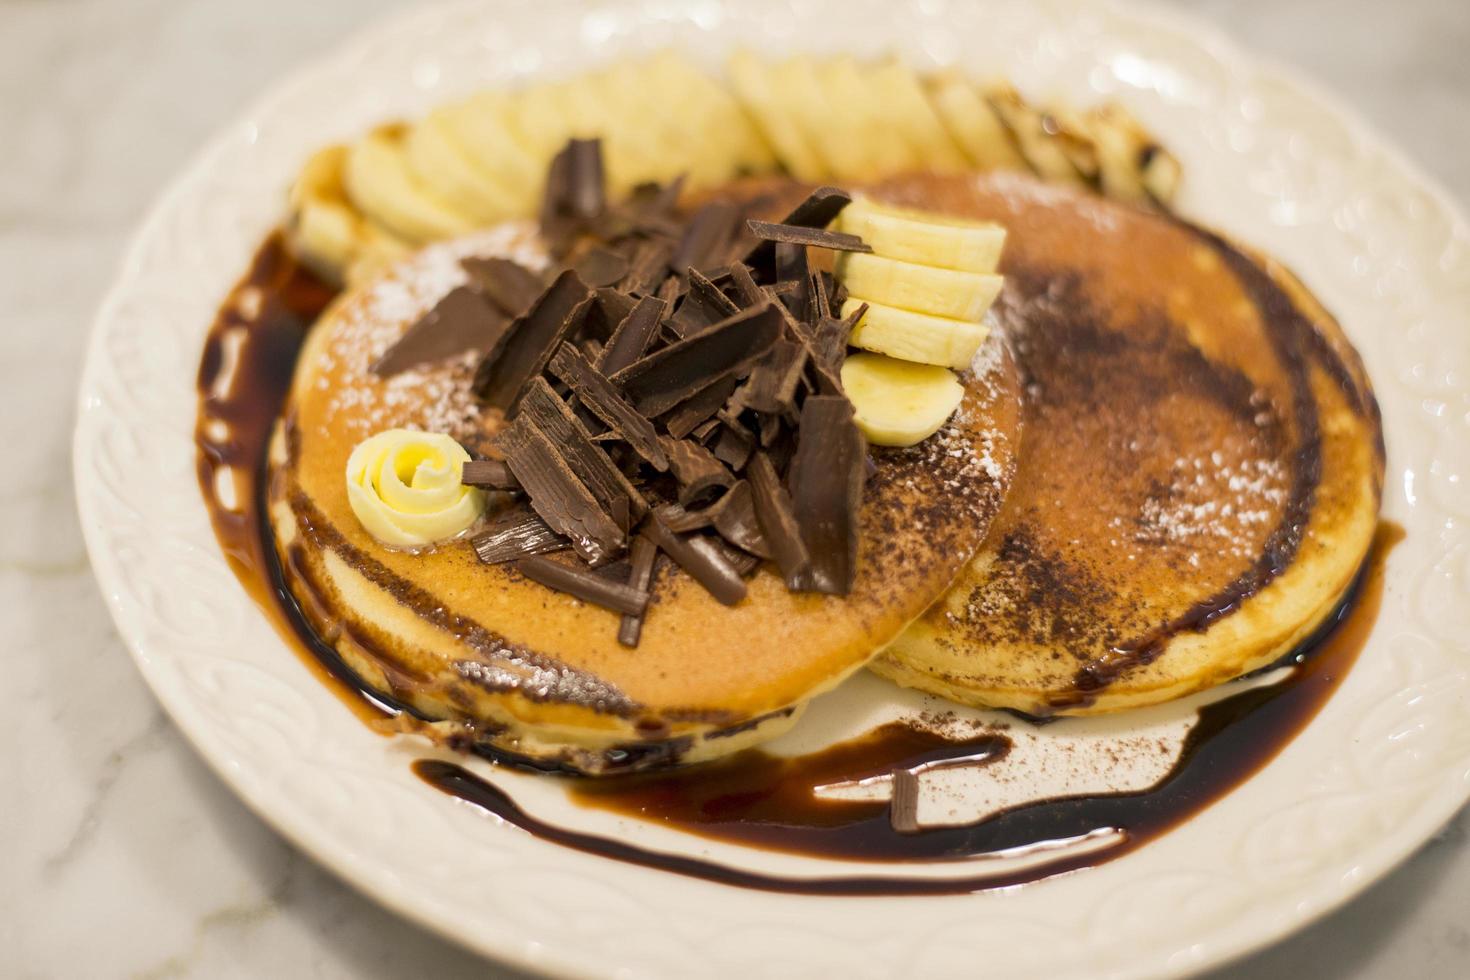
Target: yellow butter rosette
x,y
404,487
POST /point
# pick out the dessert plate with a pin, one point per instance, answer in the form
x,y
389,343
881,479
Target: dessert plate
x,y
1267,159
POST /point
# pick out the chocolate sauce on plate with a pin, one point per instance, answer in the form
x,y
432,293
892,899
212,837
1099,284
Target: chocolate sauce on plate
x,y
753,798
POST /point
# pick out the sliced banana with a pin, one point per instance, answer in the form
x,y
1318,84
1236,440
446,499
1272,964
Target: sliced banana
x,y
906,113
442,165
922,237
324,227
915,336
1132,167
756,90
382,185
899,403
859,155
1035,135
479,124
796,80
949,293
973,124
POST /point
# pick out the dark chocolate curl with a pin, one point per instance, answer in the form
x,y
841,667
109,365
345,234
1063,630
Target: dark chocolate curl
x,y
542,406
701,559
488,474
516,534
633,335
735,518
509,286
461,321
585,585
667,377
817,211
557,494
645,553
603,400
777,521
697,470
826,489
770,231
530,341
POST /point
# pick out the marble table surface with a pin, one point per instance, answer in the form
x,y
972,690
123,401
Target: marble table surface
x,y
121,855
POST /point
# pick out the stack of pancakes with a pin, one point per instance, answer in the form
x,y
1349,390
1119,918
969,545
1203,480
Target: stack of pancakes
x,y
1166,473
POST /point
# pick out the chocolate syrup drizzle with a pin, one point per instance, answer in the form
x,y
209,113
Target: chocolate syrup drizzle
x,y
752,798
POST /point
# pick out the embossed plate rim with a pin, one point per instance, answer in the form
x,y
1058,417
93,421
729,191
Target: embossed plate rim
x,y
203,648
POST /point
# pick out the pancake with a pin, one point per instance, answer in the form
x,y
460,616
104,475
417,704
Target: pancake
x,y
1201,470
504,663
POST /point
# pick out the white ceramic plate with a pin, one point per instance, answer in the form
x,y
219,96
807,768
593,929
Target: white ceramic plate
x,y
1266,158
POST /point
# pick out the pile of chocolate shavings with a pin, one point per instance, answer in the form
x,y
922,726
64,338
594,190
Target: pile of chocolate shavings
x,y
671,387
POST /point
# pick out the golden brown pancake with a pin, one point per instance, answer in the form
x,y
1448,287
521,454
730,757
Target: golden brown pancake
x,y
1200,474
513,665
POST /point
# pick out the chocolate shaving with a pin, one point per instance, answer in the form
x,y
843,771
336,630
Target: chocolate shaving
x,y
640,578
682,521
826,489
488,474
697,470
817,295
633,336
610,308
705,306
575,194
509,286
772,383
707,237
777,520
771,231
692,413
556,493
703,430
742,561
791,266
461,321
734,517
528,344
601,267
817,211
603,400
542,406
733,445
701,559
648,266
516,534
585,585
667,377
747,293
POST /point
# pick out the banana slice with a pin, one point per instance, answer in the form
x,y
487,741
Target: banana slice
x,y
907,114
382,185
536,119
1035,136
324,227
949,293
922,237
796,79
852,131
757,91
915,336
479,125
441,165
1132,167
899,403
973,124
1074,138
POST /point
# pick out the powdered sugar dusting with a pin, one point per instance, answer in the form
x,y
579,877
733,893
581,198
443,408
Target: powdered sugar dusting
x,y
434,397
